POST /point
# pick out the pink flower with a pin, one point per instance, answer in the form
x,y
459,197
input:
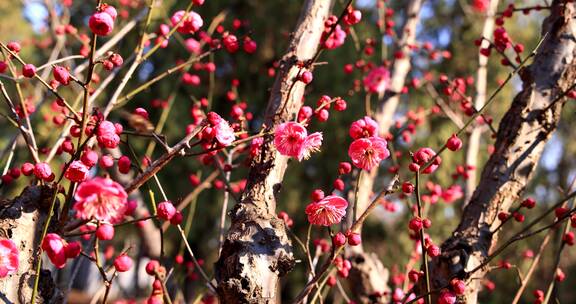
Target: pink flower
x,y
311,144
365,127
110,10
224,133
453,193
255,146
61,75
335,40
366,153
292,139
122,263
105,232
454,143
423,156
76,172
106,135
124,164
377,80
42,171
398,295
89,158
101,23
54,246
352,17
27,169
192,22
480,5
446,297
8,257
218,129
327,211
192,45
231,43
102,199
288,138
28,70
73,249
166,210
142,113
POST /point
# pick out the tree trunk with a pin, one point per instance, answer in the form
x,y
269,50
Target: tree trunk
x,y
257,250
522,135
22,220
369,275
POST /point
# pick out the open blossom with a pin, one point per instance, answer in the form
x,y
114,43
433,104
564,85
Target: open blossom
x,y
365,127
328,211
102,199
311,144
377,80
292,139
54,246
8,257
77,171
224,133
288,138
192,22
366,153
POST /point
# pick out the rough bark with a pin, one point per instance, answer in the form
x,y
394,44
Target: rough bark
x,y
369,275
481,84
522,135
22,220
257,250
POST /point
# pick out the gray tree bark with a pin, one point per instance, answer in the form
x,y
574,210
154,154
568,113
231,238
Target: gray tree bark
x,y
22,220
257,250
522,135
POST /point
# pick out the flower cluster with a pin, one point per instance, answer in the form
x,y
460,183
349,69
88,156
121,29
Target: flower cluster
x,y
218,131
368,149
58,250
